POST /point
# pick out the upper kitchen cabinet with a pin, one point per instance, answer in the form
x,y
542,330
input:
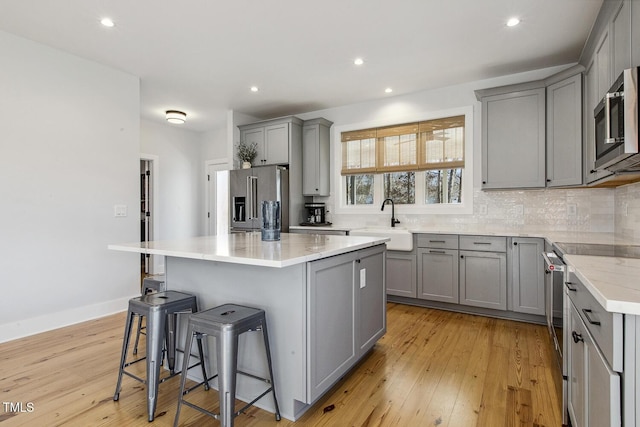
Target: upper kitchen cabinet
x,y
315,157
564,131
620,34
275,139
513,136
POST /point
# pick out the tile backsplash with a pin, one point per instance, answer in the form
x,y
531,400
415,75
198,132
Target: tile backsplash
x,y
627,211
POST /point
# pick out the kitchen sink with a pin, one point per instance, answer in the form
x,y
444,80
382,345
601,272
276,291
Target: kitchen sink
x,y
401,239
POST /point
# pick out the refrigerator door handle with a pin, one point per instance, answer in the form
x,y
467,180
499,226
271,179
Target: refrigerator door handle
x,y
249,199
254,197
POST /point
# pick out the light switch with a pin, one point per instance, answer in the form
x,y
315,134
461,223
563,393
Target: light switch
x,y
120,210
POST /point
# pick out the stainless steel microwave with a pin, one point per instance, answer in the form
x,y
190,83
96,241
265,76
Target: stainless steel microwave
x,y
616,125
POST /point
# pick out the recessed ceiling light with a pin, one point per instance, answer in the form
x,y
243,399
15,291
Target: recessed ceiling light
x,y
176,117
254,88
358,61
512,22
107,22
388,90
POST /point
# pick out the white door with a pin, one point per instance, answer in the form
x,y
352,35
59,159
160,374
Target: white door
x,y
217,203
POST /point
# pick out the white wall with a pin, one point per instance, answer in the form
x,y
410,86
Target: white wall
x,y
69,132
180,180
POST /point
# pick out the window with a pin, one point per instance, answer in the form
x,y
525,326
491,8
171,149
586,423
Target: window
x,y
419,163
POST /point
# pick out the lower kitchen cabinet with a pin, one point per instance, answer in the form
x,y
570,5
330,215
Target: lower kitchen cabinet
x,y
483,279
346,313
527,275
594,389
401,274
438,274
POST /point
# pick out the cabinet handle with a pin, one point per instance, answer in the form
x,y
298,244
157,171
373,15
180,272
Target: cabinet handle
x,y
358,261
515,243
577,337
461,256
481,243
484,182
547,272
568,285
548,180
437,252
587,314
593,171
436,241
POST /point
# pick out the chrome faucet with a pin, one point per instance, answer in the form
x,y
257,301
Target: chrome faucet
x,y
394,221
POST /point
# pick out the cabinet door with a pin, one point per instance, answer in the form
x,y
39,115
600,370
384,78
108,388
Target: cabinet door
x,y
255,135
564,132
591,99
528,275
620,33
276,144
513,140
603,62
332,327
438,275
577,370
483,279
371,300
310,160
603,396
401,274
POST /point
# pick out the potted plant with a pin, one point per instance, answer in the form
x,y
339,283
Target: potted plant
x,y
246,153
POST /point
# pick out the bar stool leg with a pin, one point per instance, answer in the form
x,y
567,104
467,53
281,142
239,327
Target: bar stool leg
x,y
170,333
185,366
123,357
268,350
227,360
135,346
156,321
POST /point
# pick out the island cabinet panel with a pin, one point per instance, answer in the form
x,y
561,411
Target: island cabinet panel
x,y
346,314
483,279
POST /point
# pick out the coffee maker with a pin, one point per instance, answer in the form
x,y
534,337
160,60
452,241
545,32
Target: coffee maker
x,y
315,214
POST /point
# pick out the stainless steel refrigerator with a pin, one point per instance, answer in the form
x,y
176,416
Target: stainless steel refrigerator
x,y
248,188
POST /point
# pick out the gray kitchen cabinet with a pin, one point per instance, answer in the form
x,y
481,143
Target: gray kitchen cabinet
x,y
635,32
513,136
603,64
438,275
620,34
315,157
346,314
274,139
483,273
401,274
528,278
591,99
594,389
564,132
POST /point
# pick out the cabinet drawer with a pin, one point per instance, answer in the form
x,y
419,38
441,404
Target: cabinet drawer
x,y
440,241
483,243
605,327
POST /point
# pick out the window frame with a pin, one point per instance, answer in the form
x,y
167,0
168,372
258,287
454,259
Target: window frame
x,y
339,183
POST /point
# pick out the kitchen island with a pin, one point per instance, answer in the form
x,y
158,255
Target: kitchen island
x,y
324,298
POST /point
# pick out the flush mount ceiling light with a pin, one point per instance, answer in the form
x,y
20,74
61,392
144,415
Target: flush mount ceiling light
x,y
254,88
107,22
512,22
358,61
176,117
388,90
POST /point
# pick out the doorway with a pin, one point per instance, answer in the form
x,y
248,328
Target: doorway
x,y
146,206
217,197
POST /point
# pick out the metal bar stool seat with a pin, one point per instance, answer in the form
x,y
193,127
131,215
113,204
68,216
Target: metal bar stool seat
x,y
158,308
150,284
226,323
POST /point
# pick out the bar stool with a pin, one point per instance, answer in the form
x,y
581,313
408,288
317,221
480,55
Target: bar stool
x,y
226,323
149,284
157,307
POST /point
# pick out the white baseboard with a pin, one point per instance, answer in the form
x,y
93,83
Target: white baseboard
x,y
35,325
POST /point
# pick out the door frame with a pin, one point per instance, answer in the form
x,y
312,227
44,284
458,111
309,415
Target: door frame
x,y
220,164
156,263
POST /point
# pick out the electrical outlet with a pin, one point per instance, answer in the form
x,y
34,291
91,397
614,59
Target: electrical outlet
x,y
572,209
519,210
482,209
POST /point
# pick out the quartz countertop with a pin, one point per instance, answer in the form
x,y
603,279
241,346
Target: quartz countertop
x,y
613,282
249,249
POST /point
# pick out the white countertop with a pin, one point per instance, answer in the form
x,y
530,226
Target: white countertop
x,y
614,282
249,249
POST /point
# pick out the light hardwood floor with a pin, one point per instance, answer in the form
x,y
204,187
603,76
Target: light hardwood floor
x,y
432,368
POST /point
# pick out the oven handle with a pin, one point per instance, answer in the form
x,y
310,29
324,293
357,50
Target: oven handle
x,y
550,265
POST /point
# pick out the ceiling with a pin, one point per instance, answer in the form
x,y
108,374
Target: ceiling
x,y
202,56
